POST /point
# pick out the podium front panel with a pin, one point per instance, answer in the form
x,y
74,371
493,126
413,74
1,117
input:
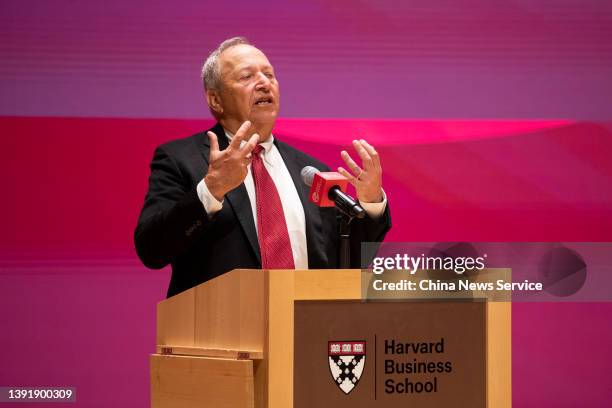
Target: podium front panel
x,y
389,354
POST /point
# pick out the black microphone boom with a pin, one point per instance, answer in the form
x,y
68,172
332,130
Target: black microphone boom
x,y
346,203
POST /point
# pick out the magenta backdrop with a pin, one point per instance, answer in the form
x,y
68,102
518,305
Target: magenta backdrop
x,y
88,88
78,308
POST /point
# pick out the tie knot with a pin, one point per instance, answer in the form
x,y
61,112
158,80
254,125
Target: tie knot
x,y
258,149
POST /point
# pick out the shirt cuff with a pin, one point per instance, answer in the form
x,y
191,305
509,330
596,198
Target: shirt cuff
x,y
375,210
211,204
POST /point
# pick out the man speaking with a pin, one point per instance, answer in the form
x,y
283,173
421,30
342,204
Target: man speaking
x,y
233,197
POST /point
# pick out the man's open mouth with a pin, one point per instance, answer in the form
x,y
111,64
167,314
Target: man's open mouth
x,y
263,101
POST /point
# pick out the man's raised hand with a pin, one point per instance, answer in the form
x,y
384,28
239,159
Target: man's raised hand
x,y
228,168
367,181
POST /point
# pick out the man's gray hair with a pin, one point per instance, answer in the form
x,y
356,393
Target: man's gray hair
x,y
211,76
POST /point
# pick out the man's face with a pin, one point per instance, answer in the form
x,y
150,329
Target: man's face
x,y
249,89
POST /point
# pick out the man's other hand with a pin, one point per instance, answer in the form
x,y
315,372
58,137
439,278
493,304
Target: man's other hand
x,y
367,181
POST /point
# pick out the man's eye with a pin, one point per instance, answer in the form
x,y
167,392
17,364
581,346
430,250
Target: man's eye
x,y
246,76
269,75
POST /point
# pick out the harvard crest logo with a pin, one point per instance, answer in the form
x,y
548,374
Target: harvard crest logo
x,y
346,362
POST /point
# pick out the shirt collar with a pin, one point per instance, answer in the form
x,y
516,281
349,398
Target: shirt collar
x,y
267,145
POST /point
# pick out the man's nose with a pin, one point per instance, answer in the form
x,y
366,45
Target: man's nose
x,y
263,82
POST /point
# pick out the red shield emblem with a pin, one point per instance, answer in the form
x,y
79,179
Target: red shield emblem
x,y
346,362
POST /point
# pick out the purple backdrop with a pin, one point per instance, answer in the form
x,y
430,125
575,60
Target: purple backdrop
x,y
366,58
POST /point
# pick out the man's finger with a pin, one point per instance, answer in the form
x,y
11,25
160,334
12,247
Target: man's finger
x,y
348,175
363,154
240,134
214,142
351,163
372,152
250,145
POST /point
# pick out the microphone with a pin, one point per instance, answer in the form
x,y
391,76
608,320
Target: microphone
x,y
327,189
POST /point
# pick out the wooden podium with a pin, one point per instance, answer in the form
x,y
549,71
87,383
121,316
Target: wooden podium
x,y
229,342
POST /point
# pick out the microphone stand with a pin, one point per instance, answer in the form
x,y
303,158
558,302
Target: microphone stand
x,y
349,209
345,240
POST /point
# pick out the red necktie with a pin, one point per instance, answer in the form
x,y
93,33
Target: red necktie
x,y
272,230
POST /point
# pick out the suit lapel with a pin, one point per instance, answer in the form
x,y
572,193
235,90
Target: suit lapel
x,y
238,198
314,238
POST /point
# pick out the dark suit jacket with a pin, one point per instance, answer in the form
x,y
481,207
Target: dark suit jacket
x,y
174,227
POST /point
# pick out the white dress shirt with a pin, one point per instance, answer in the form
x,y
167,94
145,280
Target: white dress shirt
x,y
290,200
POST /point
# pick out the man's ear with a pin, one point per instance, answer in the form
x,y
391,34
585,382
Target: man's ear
x,y
214,101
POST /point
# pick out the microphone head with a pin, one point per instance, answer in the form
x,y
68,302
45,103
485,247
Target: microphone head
x,y
321,183
308,174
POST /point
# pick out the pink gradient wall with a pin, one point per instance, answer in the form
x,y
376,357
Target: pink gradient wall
x,y
453,94
78,308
